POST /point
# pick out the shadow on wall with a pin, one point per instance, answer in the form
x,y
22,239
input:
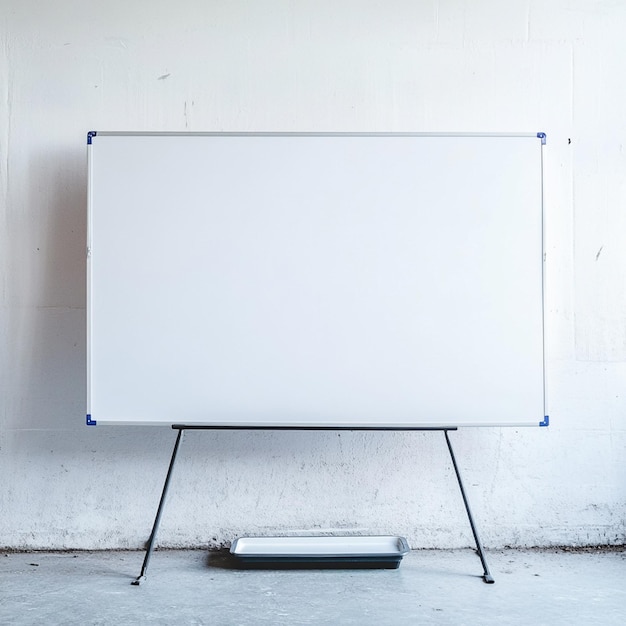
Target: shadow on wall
x,y
46,288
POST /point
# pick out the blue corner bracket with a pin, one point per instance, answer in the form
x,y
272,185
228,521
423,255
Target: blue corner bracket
x,y
541,136
546,421
90,422
90,135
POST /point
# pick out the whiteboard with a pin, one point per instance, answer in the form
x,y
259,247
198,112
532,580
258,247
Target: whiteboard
x,y
315,280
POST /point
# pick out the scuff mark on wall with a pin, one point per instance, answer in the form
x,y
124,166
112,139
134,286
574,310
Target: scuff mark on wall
x,y
187,110
117,42
163,76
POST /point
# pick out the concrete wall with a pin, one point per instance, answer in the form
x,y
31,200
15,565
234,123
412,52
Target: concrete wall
x,y
68,66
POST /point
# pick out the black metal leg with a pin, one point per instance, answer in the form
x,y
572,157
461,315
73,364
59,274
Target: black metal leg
x,y
157,519
487,575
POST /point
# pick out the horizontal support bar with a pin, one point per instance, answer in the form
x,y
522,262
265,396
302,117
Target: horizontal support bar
x,y
339,428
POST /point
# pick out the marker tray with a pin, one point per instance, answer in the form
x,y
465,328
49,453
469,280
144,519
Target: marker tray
x,y
353,552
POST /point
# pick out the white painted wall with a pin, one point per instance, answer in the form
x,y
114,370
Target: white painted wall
x,y
68,66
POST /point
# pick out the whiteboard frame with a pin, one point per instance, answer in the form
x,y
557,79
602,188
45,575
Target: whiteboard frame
x,y
421,425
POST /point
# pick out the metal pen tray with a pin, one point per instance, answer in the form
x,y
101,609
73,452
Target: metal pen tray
x,y
351,551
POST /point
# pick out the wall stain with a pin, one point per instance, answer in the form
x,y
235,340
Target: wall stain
x,y
163,76
599,251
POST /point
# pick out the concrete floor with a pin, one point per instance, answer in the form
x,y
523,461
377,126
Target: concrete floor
x,y
430,587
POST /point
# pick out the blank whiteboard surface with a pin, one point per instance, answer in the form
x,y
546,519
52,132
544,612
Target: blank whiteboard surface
x,y
377,280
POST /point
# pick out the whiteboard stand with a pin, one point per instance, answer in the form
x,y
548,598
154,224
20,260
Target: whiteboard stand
x,y
349,278
487,577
